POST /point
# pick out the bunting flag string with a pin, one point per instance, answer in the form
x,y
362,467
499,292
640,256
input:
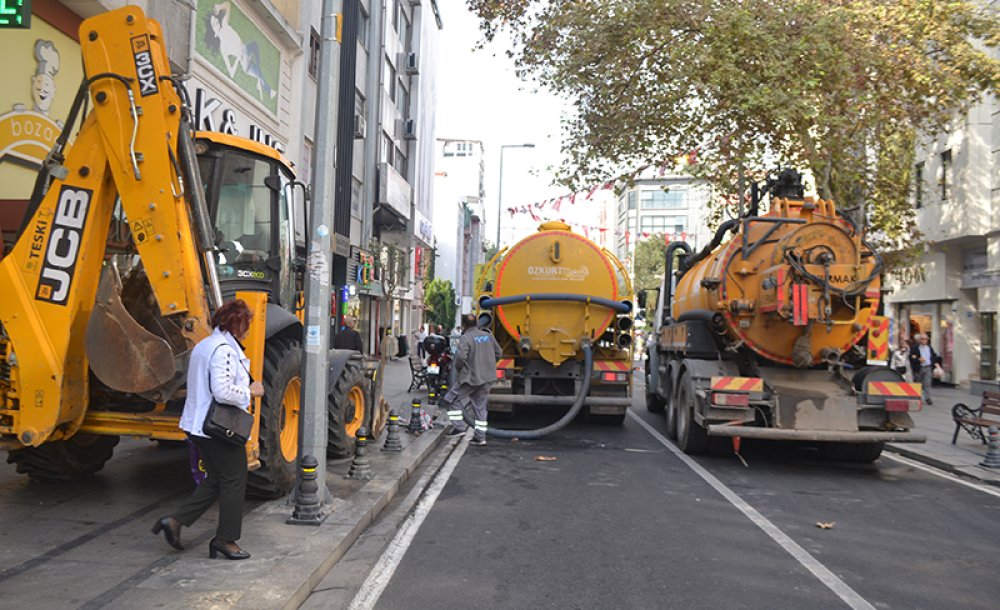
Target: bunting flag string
x,y
555,203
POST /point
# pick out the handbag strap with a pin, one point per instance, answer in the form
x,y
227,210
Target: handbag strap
x,y
211,356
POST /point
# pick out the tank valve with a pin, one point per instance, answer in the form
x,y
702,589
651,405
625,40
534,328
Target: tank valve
x,y
524,345
830,355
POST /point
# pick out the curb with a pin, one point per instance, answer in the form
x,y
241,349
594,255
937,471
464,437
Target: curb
x,y
941,464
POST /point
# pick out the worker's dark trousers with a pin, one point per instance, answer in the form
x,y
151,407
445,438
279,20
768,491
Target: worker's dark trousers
x,y
226,466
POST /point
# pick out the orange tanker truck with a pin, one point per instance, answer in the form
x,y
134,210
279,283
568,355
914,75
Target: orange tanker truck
x,y
560,306
765,335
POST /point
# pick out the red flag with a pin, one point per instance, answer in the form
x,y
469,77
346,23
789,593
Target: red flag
x,y
626,239
610,185
557,204
572,198
645,234
593,190
586,231
534,216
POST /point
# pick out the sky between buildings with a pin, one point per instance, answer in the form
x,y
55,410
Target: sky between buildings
x,y
480,98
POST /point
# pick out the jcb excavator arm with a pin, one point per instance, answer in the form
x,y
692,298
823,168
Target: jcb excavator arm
x,y
129,148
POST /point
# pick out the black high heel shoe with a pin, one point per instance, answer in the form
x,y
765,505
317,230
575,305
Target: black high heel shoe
x,y
217,546
171,531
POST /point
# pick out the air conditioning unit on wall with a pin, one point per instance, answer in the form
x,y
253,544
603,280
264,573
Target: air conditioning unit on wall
x,y
410,64
359,126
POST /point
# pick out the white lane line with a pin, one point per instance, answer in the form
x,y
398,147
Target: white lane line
x,y
993,491
828,578
381,574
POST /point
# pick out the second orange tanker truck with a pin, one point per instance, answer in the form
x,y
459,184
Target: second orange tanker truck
x,y
764,336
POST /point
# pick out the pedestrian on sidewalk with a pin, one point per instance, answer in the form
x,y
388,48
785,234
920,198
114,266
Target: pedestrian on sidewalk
x,y
420,334
348,337
922,361
218,370
900,360
475,367
390,345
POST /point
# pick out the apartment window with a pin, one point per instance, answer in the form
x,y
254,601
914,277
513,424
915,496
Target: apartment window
x,y
400,163
663,200
404,31
356,194
389,76
396,8
314,49
663,224
918,185
385,149
359,103
363,24
946,175
404,100
632,196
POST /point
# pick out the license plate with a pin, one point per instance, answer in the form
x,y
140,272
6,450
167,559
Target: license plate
x,y
433,369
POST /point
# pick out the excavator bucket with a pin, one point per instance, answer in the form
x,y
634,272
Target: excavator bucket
x,y
124,355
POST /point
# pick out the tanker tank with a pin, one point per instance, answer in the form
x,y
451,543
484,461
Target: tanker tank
x,y
548,299
776,333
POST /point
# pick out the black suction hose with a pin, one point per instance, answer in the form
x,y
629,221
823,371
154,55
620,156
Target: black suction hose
x,y
588,370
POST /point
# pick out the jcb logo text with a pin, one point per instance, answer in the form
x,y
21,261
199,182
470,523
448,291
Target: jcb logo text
x,y
63,249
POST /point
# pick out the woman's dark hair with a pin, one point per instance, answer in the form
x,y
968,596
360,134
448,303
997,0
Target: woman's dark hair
x,y
233,317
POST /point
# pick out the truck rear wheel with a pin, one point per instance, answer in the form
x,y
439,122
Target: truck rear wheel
x,y
670,421
692,438
279,420
654,404
81,455
346,408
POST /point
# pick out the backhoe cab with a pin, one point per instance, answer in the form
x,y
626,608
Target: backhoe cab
x,y
134,234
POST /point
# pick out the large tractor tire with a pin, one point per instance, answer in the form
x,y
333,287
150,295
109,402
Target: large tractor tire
x,y
280,408
692,438
79,456
345,409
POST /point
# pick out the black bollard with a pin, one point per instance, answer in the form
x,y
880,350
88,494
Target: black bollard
x,y
361,466
992,459
392,441
415,425
308,510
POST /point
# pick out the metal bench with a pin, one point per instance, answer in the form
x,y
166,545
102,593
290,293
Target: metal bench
x,y
974,420
418,373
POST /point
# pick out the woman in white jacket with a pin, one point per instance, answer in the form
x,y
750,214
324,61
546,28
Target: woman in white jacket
x,y
218,369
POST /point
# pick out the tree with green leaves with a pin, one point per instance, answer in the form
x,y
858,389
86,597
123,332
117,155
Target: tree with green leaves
x,y
840,88
648,263
440,300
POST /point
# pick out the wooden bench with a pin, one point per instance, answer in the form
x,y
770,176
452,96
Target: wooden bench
x,y
974,420
418,373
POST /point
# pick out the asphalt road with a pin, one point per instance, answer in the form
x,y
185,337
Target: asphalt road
x,y
618,520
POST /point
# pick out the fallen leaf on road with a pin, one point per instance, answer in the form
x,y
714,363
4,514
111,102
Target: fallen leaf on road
x,y
544,458
825,526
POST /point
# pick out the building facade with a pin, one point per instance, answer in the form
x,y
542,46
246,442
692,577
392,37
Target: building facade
x,y
952,292
250,68
672,207
460,223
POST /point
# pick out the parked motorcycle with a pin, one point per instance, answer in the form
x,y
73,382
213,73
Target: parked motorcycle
x,y
438,375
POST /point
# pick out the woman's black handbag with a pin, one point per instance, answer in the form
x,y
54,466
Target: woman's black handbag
x,y
227,423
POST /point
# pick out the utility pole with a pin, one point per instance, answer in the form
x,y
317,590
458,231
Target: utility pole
x,y
312,433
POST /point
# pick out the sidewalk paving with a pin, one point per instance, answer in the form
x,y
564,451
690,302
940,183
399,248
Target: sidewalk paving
x,y
935,421
288,561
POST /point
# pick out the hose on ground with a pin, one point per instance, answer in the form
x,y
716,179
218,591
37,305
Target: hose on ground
x,y
588,370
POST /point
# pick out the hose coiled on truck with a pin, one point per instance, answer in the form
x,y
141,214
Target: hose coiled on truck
x,y
588,367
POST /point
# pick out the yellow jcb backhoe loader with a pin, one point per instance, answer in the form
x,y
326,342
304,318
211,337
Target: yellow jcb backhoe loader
x,y
134,234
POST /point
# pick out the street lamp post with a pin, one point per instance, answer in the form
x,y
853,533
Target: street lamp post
x,y
500,187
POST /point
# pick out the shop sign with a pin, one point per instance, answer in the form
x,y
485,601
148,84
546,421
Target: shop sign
x,y
974,269
28,134
908,276
237,48
212,114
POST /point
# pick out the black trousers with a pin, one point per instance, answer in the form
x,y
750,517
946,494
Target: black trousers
x,y
226,466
